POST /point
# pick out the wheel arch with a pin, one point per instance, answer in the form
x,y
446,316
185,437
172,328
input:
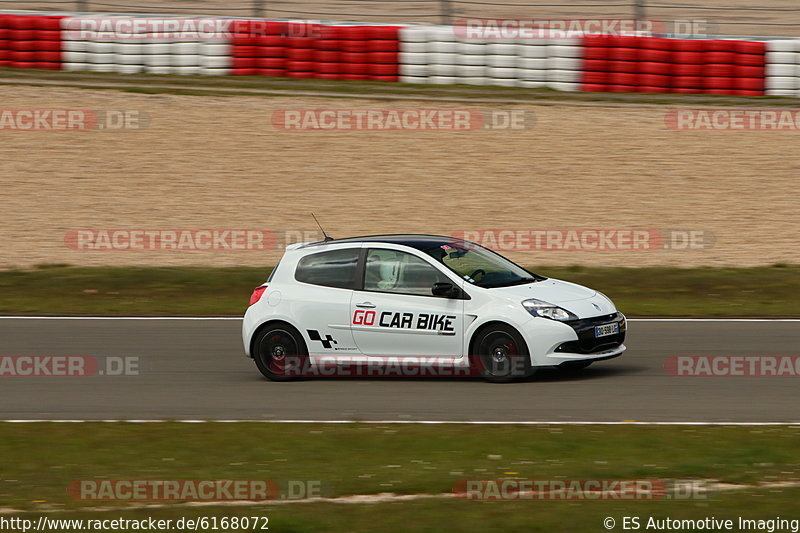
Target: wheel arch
x,y
480,329
269,323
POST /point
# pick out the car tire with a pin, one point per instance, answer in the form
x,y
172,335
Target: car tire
x,y
280,352
500,354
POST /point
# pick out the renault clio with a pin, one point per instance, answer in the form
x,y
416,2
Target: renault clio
x,y
418,299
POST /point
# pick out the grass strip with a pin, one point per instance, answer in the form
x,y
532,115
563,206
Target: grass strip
x,y
227,85
38,462
435,516
658,291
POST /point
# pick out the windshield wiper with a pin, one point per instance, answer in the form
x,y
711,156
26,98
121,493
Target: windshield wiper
x,y
520,281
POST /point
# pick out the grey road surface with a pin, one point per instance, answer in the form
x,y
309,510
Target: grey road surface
x,y
197,370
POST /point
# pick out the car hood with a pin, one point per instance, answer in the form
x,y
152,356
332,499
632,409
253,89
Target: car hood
x,y
582,301
552,291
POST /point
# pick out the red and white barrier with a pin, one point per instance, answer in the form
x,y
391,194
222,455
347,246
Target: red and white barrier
x,y
783,67
30,42
658,65
408,53
310,50
441,55
140,50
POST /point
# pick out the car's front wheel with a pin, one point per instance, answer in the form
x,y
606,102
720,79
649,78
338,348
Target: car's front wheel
x,y
500,354
280,352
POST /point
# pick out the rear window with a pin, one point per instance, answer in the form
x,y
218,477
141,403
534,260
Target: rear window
x,y
336,268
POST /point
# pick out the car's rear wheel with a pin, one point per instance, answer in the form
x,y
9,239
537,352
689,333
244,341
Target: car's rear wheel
x,y
500,354
280,352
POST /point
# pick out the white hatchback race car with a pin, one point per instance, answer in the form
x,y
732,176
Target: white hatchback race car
x,y
421,305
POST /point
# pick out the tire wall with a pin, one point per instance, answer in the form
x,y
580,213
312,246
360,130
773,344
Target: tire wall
x,y
427,54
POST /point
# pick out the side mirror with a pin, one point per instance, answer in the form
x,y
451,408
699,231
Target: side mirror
x,y
445,288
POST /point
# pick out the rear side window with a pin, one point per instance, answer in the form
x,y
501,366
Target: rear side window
x,y
336,268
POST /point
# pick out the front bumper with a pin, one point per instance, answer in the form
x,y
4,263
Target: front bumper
x,y
587,343
587,347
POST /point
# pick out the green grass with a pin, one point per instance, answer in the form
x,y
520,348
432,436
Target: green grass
x,y
57,289
657,291
267,86
435,516
707,291
38,461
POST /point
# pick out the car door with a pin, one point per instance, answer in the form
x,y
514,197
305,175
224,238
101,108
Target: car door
x,y
394,312
321,300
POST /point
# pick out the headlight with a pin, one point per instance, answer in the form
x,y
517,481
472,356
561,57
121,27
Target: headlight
x,y
546,310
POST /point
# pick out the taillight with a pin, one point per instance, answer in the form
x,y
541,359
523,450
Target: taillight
x,y
256,296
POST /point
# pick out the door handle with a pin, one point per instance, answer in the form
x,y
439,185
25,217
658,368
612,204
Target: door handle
x,y
366,305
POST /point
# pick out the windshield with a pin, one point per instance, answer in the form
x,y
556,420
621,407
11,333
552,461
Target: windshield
x,y
481,266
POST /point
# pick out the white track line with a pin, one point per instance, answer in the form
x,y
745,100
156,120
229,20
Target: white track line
x,y
229,318
429,422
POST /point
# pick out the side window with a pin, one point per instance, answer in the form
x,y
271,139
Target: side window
x,y
336,268
400,272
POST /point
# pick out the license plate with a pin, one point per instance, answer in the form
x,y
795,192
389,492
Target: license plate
x,y
606,329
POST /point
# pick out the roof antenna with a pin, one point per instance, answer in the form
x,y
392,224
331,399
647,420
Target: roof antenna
x,y
326,239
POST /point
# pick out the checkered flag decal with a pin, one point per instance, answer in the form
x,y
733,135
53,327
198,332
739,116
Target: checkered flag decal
x,y
326,342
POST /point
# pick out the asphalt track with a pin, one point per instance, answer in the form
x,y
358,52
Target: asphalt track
x,y
195,369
